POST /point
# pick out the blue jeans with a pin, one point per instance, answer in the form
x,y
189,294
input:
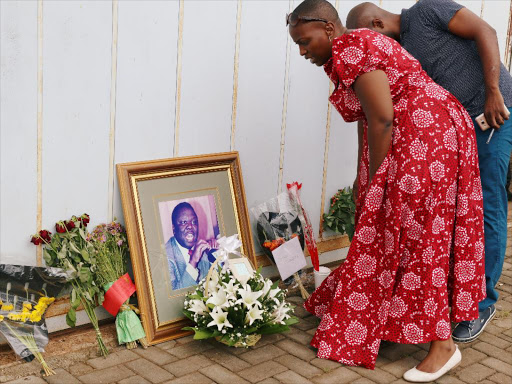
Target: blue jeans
x,y
493,159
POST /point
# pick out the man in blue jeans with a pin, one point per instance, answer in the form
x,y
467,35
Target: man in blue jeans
x,y
460,52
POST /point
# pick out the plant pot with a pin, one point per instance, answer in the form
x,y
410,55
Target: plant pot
x,y
251,340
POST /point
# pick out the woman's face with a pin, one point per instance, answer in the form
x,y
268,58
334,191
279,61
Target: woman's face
x,y
313,41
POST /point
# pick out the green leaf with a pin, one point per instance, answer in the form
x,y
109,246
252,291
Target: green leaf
x,y
189,315
85,254
291,320
270,329
71,317
199,334
63,252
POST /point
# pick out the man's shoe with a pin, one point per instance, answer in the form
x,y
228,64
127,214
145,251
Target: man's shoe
x,y
468,331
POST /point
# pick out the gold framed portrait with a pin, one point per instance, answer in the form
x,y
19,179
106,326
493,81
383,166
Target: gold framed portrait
x,y
174,211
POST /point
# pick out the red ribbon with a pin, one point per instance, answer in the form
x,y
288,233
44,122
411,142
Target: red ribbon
x,y
118,293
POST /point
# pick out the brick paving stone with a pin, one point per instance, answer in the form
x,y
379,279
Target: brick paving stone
x,y
270,380
498,365
166,345
113,359
495,341
363,380
233,351
420,355
220,374
491,328
149,370
80,369
190,349
300,312
500,378
298,336
397,351
298,366
61,377
296,300
492,351
324,364
400,381
446,379
134,380
28,380
260,355
504,323
339,375
227,360
311,331
475,373
381,361
185,340
377,375
193,378
305,325
290,377
107,375
398,368
296,349
471,356
156,355
267,339
188,365
262,371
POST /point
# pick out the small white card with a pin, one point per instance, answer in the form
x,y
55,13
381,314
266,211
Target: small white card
x,y
289,258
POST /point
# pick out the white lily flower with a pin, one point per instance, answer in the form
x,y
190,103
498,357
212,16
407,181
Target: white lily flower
x,y
253,315
220,319
198,307
213,284
231,289
249,298
267,284
281,312
273,293
218,299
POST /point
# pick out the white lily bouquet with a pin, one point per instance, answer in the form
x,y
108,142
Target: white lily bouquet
x,y
236,308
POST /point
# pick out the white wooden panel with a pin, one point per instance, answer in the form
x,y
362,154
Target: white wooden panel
x,y
496,13
76,115
18,135
146,83
305,131
474,6
260,96
207,79
396,6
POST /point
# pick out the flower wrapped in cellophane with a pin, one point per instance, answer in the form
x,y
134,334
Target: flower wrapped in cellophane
x,y
111,254
25,295
237,311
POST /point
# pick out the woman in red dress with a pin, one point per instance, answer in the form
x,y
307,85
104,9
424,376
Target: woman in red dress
x,y
418,248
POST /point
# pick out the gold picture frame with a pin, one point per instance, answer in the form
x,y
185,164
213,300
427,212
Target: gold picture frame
x,y
211,187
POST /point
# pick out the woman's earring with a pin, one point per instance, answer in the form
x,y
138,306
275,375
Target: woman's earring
x,y
330,39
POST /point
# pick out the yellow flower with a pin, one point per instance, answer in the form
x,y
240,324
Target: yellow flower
x,y
1,318
7,307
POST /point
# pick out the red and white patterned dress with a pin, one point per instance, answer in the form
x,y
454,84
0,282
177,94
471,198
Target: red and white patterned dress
x,y
418,247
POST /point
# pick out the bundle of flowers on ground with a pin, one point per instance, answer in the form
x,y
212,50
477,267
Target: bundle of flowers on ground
x,y
111,254
25,295
237,312
71,249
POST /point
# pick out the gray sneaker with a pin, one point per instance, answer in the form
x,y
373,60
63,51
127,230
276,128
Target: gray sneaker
x,y
468,331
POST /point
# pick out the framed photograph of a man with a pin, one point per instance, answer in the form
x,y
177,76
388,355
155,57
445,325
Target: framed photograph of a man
x,y
175,210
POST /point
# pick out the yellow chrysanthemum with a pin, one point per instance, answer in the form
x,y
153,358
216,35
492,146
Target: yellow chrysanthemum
x,y
7,307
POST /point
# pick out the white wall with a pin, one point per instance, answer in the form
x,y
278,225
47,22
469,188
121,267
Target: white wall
x,y
105,100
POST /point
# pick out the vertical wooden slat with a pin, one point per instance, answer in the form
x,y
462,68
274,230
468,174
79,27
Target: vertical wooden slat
x,y
39,219
285,108
235,73
178,79
508,44
112,136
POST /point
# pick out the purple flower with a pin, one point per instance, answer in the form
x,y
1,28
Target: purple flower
x,y
120,242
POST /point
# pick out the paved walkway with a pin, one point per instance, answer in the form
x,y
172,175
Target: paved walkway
x,y
284,358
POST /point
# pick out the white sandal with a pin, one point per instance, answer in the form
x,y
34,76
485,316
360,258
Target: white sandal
x,y
415,376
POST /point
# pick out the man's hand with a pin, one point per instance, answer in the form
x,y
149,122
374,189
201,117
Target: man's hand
x,y
494,109
197,252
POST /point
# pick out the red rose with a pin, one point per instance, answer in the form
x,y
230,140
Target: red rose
x,y
85,219
45,235
60,227
36,240
70,224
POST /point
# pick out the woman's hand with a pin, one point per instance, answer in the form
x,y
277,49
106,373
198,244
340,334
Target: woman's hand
x,y
374,94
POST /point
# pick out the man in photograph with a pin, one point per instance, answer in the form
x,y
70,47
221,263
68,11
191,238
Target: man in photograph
x,y
187,255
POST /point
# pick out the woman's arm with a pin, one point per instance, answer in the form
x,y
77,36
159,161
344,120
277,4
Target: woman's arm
x,y
360,133
374,94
